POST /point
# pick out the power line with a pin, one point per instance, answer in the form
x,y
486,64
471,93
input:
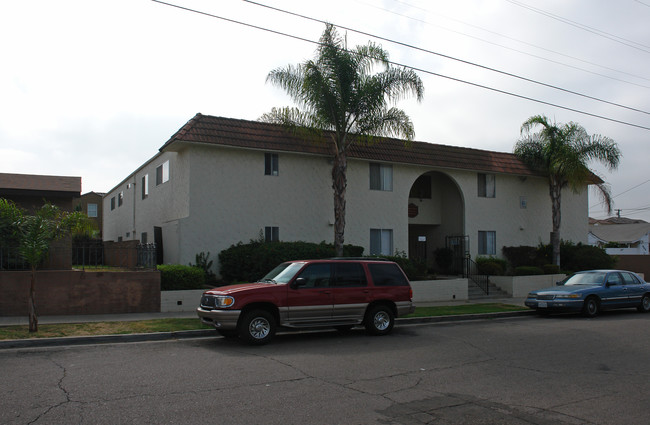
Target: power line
x,y
449,57
622,193
583,27
518,41
411,67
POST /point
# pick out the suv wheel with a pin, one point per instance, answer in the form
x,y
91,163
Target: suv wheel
x,y
379,320
257,327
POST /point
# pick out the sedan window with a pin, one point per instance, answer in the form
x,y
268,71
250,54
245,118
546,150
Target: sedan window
x,y
629,279
586,279
614,279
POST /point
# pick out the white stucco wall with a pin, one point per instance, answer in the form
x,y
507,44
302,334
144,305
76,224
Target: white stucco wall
x,y
218,196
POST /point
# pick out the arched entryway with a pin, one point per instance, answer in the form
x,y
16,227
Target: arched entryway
x,y
436,211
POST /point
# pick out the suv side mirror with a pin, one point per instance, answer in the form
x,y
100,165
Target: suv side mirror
x,y
301,281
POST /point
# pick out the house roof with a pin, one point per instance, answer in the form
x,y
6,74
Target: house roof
x,y
622,233
274,137
40,183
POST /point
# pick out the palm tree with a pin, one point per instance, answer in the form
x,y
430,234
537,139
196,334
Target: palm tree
x,y
337,92
561,152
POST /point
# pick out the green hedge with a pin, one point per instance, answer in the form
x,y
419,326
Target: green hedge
x,y
491,266
250,262
528,271
174,277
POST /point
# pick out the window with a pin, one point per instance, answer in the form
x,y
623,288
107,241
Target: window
x,y
271,234
349,275
629,279
120,199
381,177
271,164
315,276
421,188
486,185
487,242
113,203
145,187
162,173
387,275
143,237
381,241
92,210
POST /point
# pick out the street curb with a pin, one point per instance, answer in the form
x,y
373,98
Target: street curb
x,y
206,333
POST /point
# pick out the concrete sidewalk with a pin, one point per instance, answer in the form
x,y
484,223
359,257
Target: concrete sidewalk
x,y
44,320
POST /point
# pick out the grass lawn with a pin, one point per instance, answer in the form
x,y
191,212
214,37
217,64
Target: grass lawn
x,y
171,325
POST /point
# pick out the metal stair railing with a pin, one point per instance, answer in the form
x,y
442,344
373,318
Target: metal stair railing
x,y
471,271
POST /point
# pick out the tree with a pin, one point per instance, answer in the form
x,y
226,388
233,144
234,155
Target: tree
x,y
35,233
561,152
339,93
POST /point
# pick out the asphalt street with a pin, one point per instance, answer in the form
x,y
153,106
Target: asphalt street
x,y
521,370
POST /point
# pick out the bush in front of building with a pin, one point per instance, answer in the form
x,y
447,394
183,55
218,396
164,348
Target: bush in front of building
x,y
528,271
175,277
491,266
573,258
250,262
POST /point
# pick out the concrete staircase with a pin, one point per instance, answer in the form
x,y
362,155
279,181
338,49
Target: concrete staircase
x,y
476,293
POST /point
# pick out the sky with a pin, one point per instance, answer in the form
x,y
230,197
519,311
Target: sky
x,y
94,88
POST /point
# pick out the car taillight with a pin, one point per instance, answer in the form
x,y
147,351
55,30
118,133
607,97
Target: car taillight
x,y
410,292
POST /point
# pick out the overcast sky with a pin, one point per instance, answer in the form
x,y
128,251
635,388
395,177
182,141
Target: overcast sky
x,y
95,88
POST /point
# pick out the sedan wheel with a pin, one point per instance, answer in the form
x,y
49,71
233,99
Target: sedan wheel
x,y
257,327
645,304
591,307
379,320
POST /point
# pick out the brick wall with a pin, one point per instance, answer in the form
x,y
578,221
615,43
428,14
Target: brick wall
x,y
76,292
635,263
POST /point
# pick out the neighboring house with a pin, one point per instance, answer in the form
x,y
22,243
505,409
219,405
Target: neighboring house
x,y
621,239
219,181
91,204
31,191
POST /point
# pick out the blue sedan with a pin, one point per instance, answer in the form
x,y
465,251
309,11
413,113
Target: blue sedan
x,y
591,291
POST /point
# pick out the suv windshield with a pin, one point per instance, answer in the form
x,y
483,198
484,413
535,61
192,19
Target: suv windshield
x,y
586,279
282,273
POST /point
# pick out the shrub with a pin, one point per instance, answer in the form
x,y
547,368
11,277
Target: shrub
x,y
491,266
249,262
523,256
203,262
174,277
551,269
528,271
444,259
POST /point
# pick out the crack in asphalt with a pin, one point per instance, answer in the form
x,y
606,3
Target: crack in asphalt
x,y
61,387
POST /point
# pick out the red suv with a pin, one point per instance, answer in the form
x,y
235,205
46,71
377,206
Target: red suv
x,y
338,293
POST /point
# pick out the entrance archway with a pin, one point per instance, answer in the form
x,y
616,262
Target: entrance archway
x,y
436,211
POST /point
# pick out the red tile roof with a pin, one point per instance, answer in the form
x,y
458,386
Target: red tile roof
x,y
273,137
40,183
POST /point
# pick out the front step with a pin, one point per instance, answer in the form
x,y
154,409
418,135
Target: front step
x,y
476,293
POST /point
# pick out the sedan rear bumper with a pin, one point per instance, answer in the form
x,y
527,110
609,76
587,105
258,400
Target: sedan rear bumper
x,y
554,305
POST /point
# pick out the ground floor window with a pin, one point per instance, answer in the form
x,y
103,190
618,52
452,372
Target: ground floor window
x,y
381,241
487,242
271,234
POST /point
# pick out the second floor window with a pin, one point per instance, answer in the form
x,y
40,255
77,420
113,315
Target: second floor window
x,y
381,177
271,164
486,185
120,199
271,234
162,173
113,203
92,210
145,186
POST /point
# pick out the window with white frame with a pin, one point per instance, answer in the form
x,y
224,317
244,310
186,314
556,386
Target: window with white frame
x,y
487,242
113,203
120,199
145,186
381,176
92,210
381,242
162,173
486,185
271,164
271,234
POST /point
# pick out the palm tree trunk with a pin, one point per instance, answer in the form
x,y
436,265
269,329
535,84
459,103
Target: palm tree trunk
x,y
33,319
339,184
556,195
